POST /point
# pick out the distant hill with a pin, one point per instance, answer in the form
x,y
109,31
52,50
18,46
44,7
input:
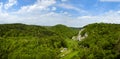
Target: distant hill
x,y
15,30
64,31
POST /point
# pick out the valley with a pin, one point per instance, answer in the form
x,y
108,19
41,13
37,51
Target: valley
x,y
93,41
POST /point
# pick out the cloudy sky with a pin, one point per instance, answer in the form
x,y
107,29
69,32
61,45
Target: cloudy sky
x,y
75,13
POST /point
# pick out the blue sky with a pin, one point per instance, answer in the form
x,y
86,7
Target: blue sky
x,y
75,13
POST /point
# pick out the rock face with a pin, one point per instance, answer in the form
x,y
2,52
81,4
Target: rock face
x,y
79,37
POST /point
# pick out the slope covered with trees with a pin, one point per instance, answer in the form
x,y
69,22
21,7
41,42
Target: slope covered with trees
x,y
103,42
20,41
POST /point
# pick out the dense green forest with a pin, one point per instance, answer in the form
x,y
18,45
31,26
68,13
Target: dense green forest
x,y
20,41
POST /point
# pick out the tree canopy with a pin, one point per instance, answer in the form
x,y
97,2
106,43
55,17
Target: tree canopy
x,y
20,41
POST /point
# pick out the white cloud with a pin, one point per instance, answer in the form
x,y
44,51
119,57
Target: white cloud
x,y
53,18
64,0
40,5
26,13
65,13
68,6
54,8
45,3
118,12
10,4
110,0
108,17
87,17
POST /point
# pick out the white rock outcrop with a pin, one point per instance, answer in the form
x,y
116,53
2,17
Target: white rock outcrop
x,y
79,37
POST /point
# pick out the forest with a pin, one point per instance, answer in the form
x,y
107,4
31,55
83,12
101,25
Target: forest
x,y
21,41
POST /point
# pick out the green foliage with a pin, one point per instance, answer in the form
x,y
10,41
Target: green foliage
x,y
64,31
20,41
102,41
